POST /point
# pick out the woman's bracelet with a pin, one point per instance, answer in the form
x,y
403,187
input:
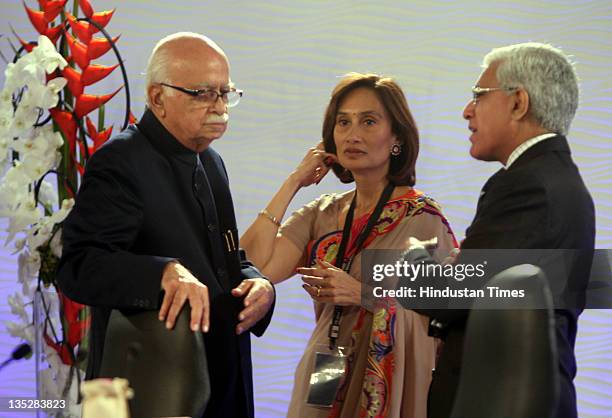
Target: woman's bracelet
x,y
269,216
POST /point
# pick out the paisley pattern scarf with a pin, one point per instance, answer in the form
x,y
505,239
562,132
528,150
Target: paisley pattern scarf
x,y
377,381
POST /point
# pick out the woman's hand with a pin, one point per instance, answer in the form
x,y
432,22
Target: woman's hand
x,y
314,166
329,284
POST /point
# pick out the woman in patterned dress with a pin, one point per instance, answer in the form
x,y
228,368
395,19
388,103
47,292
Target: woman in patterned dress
x,y
369,137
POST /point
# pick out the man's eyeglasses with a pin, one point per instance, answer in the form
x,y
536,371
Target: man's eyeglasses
x,y
230,97
478,92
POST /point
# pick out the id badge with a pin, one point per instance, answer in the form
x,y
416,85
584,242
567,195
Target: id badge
x,y
327,375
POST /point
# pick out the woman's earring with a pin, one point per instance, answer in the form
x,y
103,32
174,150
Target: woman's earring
x,y
396,149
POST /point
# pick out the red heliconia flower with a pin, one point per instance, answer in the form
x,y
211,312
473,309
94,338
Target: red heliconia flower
x,y
54,32
52,8
81,29
95,72
99,46
28,46
67,124
103,136
102,19
74,80
38,19
80,53
61,349
87,102
91,128
80,168
86,8
71,308
77,330
99,138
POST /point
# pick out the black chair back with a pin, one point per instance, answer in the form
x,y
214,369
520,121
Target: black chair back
x,y
509,367
167,369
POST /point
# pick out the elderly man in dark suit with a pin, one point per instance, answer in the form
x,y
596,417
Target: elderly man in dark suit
x,y
523,104
154,216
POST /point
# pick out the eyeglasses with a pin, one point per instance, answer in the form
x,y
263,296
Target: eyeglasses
x,y
478,92
230,97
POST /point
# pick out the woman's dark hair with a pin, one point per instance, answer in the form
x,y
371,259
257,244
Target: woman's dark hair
x,y
402,166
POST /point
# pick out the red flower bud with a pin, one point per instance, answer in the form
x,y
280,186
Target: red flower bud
x,y
102,19
99,47
52,9
37,19
80,28
74,80
86,102
86,8
95,72
79,52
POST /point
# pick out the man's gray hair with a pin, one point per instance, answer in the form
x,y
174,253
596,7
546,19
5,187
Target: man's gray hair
x,y
160,59
548,76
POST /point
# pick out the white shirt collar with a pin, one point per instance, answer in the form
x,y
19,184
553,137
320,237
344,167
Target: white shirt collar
x,y
518,151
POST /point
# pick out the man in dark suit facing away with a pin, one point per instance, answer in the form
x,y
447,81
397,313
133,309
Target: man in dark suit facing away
x,y
522,107
154,216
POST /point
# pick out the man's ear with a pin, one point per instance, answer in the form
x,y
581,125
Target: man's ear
x,y
156,99
521,104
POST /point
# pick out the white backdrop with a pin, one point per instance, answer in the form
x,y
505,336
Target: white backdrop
x,y
287,56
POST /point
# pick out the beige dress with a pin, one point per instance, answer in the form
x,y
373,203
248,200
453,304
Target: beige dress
x,y
413,352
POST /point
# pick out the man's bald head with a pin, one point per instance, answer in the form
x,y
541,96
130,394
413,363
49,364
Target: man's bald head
x,y
174,52
180,65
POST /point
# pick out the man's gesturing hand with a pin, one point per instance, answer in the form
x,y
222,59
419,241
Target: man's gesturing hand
x,y
180,285
257,302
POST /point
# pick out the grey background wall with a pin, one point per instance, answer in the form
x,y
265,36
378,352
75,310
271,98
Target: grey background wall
x,y
287,56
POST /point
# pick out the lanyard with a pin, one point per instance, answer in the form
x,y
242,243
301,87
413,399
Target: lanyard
x,y
334,328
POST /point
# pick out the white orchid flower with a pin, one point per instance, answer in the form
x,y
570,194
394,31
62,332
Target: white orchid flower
x,y
40,234
6,118
44,96
24,216
36,164
15,75
18,307
46,54
3,148
60,215
28,266
49,136
6,97
19,244
47,194
31,73
56,85
24,275
16,330
24,118
14,190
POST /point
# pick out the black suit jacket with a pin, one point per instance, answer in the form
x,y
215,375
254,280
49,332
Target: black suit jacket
x,y
137,210
540,202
